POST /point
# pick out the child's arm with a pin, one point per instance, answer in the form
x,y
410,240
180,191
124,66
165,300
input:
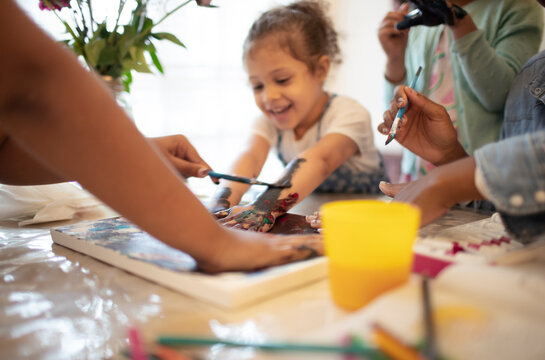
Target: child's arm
x,y
304,173
248,164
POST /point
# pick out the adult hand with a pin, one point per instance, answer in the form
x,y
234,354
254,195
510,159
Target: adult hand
x,y
426,128
394,43
248,250
438,191
182,155
433,13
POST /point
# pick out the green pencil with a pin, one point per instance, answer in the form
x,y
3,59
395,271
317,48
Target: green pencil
x,y
353,348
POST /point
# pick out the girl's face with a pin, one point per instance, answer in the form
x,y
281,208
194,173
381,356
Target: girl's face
x,y
284,88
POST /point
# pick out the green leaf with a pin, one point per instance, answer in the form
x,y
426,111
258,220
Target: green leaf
x,y
168,36
108,56
93,50
156,61
148,24
141,63
127,80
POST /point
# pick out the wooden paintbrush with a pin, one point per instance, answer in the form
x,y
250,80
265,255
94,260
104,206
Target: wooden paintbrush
x,y
245,180
401,112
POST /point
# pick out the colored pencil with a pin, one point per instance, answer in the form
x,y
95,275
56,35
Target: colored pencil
x,y
391,346
430,346
137,348
401,112
353,348
245,180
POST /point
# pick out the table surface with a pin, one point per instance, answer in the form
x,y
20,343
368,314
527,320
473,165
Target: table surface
x,y
58,304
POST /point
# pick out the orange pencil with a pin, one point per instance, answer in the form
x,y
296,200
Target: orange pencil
x,y
165,353
391,346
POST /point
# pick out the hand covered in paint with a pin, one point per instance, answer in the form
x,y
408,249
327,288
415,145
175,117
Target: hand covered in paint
x,y
432,13
247,218
426,128
182,155
259,216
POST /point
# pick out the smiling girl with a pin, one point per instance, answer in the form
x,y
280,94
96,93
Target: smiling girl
x,y
323,139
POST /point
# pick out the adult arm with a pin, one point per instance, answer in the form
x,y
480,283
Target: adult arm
x,y
18,167
490,68
512,173
438,191
63,117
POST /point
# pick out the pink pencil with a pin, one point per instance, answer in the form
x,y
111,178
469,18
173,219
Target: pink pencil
x,y
137,349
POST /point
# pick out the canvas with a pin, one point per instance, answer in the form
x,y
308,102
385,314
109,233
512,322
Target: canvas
x,y
118,242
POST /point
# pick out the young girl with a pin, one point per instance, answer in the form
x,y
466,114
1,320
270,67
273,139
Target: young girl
x,y
468,67
325,140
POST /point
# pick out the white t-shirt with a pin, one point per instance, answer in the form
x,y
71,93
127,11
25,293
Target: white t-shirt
x,y
343,116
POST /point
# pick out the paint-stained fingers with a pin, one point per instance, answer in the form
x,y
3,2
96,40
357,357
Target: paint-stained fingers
x,y
220,214
228,221
254,227
298,247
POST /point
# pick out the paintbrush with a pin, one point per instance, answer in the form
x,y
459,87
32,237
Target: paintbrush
x,y
430,345
353,348
245,180
401,112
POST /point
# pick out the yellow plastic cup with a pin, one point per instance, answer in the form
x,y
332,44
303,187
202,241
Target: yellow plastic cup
x,y
369,248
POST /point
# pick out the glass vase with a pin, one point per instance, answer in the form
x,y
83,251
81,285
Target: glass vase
x,y
118,90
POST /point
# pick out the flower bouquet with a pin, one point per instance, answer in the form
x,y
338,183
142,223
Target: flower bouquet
x,y
110,48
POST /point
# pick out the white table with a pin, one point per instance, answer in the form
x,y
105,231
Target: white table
x,y
58,304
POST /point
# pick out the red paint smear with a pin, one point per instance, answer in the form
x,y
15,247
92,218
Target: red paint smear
x,y
491,242
456,248
428,266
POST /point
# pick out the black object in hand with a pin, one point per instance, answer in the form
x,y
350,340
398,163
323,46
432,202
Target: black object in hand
x,y
431,13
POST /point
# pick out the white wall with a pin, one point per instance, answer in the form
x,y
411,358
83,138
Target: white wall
x,y
204,93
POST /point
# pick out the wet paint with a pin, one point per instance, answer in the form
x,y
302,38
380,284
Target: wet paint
x,y
221,201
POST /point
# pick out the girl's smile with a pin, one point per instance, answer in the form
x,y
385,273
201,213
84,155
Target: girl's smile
x,y
284,88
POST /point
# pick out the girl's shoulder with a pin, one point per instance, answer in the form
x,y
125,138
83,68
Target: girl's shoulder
x,y
345,104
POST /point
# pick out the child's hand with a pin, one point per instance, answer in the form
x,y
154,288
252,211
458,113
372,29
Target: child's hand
x,y
426,128
315,221
247,218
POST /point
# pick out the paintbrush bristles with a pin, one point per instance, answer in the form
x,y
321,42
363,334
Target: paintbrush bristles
x,y
390,138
